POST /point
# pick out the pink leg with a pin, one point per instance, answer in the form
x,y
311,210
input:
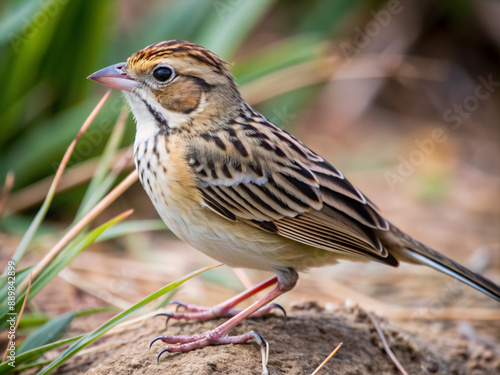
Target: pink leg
x,y
225,309
219,336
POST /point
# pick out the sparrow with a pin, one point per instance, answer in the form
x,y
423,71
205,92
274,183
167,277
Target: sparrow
x,y
245,192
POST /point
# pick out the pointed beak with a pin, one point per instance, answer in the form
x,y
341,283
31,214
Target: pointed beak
x,y
114,76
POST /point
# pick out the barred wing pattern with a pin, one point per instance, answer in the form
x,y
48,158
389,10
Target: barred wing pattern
x,y
264,176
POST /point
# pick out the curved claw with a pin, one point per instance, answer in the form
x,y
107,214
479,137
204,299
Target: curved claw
x,y
155,340
264,347
167,315
160,354
278,306
179,304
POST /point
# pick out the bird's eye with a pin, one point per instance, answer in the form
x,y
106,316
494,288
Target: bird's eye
x,y
163,74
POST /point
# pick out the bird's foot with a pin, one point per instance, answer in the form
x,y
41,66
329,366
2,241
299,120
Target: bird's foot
x,y
216,336
223,310
220,335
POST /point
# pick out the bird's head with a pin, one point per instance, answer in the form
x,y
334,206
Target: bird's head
x,y
171,82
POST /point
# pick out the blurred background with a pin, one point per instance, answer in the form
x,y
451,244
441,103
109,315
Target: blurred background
x,y
400,95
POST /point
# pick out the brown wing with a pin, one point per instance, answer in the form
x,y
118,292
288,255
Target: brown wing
x,y
255,172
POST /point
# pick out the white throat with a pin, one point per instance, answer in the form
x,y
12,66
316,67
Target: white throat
x,y
150,116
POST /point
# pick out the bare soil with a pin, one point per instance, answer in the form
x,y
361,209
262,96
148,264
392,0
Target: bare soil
x,y
298,345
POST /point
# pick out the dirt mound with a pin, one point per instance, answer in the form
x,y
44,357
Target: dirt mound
x,y
297,346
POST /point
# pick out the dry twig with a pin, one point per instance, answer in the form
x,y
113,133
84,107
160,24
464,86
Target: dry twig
x,y
7,187
327,359
105,202
386,344
82,284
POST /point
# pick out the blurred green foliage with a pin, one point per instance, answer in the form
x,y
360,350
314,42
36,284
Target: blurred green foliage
x,y
48,47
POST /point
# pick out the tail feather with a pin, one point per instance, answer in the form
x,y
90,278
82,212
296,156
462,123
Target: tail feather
x,y
457,271
419,253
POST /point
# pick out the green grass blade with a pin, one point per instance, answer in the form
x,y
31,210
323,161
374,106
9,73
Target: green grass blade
x,y
96,311
92,197
28,236
51,331
32,365
33,354
59,262
43,338
33,320
91,337
132,226
102,180
164,302
72,250
35,153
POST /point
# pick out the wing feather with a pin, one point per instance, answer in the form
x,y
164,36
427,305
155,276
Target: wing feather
x,y
281,186
212,202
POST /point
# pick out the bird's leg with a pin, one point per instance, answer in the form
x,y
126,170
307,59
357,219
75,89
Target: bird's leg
x,y
219,336
225,309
